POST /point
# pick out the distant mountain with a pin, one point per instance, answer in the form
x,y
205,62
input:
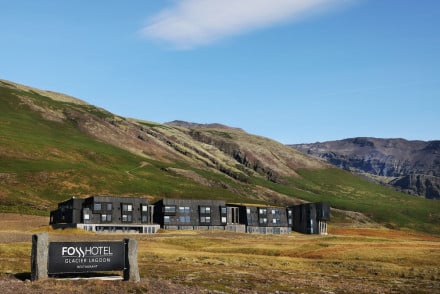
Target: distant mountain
x,y
410,166
53,147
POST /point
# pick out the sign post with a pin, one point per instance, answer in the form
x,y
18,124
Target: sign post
x,y
131,272
39,256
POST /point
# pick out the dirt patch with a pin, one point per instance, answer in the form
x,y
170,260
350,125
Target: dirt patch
x,y
192,175
22,222
349,260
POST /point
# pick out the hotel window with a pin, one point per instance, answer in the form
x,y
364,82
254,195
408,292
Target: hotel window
x,y
184,219
262,211
127,218
144,218
183,209
205,219
224,220
127,207
166,219
170,209
275,211
109,206
205,210
263,220
97,206
144,208
86,216
276,221
106,218
224,210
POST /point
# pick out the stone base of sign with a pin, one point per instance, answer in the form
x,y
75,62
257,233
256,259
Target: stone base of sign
x,y
131,273
39,256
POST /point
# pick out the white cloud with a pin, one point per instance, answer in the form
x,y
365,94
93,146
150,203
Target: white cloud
x,y
196,22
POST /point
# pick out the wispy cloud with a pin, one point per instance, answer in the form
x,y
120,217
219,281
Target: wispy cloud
x,y
190,23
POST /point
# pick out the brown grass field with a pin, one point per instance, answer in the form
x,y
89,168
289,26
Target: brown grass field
x,y
349,260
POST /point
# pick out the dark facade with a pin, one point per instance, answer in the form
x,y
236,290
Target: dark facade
x,y
105,213
309,218
134,214
264,219
68,211
190,214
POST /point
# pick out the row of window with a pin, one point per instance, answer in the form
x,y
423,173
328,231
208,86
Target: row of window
x,y
109,206
186,209
263,220
263,211
108,218
187,219
182,219
102,206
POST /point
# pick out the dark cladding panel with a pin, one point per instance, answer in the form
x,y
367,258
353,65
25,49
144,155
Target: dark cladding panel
x,y
323,211
188,213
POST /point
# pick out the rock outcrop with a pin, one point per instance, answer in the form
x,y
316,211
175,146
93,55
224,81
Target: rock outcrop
x,y
410,166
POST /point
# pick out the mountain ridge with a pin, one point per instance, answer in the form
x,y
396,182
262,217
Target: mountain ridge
x,y
412,166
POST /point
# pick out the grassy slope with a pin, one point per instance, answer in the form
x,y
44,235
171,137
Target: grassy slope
x,y
44,161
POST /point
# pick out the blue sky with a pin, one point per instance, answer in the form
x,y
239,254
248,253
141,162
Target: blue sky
x,y
295,71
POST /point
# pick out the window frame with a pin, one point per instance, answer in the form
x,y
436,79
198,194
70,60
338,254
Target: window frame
x,y
97,206
129,218
127,207
184,219
170,210
184,209
106,217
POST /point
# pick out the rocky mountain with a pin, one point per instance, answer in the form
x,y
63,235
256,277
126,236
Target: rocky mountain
x,y
53,147
410,166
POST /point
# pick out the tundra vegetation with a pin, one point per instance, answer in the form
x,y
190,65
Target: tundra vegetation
x,y
353,258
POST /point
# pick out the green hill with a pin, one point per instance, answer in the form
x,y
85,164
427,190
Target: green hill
x,y
53,146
